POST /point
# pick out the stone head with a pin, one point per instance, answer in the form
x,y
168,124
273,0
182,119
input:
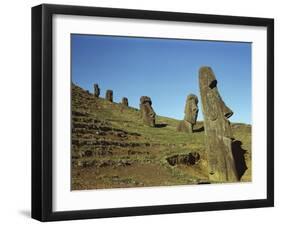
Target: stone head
x,y
109,95
191,109
214,108
125,101
96,90
147,112
209,91
218,131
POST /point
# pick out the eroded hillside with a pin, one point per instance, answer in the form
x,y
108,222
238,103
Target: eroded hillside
x,y
112,148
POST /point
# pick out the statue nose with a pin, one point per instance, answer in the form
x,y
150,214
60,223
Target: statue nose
x,y
227,111
152,114
195,109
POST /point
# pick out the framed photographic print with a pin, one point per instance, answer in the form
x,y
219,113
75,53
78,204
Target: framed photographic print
x,y
145,112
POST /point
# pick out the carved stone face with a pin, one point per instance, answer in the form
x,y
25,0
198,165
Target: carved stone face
x,y
214,109
125,102
217,128
191,109
147,112
96,90
109,95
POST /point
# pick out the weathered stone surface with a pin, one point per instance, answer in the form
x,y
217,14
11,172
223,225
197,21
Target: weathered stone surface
x,y
218,130
125,102
191,109
96,90
147,112
109,95
190,114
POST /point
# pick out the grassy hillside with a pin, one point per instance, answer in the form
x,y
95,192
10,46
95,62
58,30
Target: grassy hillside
x,y
111,147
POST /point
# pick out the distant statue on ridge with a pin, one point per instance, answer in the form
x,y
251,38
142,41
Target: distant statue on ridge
x,y
109,95
125,102
96,90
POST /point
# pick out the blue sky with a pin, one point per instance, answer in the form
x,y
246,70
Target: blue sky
x,y
164,69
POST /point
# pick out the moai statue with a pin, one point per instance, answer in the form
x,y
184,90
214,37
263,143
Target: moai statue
x,y
190,117
96,90
147,112
125,102
109,95
218,132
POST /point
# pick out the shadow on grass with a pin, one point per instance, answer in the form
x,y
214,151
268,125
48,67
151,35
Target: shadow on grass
x,y
198,130
161,125
239,157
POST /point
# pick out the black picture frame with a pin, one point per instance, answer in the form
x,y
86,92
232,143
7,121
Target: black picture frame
x,y
42,111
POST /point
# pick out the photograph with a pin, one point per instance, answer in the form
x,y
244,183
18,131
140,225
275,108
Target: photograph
x,y
140,112
148,111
